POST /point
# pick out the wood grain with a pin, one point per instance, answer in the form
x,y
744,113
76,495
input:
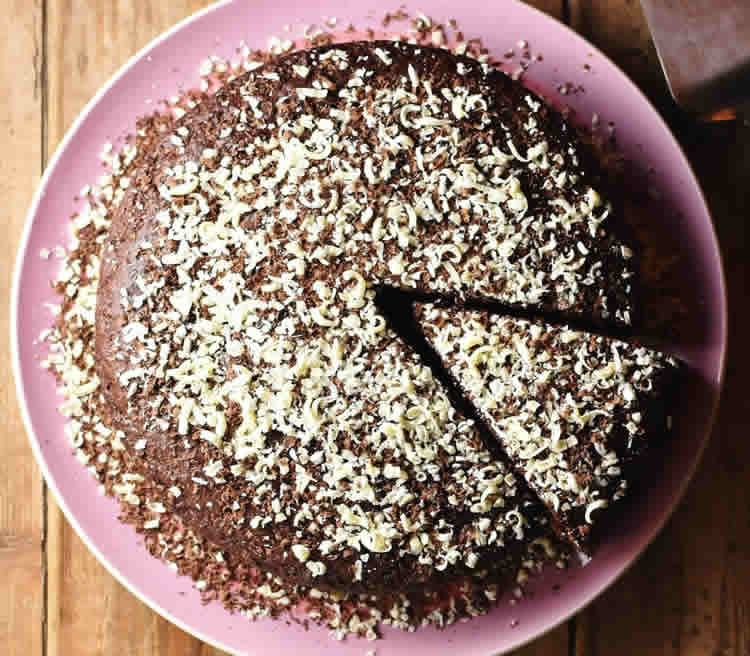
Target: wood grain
x,y
89,613
21,90
689,594
553,643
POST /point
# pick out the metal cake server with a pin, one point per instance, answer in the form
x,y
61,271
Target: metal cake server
x,y
704,48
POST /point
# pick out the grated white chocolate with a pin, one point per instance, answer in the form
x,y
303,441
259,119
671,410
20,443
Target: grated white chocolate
x,y
570,408
250,323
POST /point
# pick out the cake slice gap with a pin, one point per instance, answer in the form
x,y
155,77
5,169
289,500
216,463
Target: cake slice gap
x,y
576,412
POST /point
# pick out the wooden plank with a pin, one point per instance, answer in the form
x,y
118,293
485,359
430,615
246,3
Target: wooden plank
x,y
552,643
21,86
713,526
88,611
689,593
170,641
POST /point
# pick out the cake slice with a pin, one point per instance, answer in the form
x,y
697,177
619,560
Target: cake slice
x,y
574,411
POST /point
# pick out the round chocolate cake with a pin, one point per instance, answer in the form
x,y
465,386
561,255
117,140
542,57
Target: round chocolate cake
x,y
240,342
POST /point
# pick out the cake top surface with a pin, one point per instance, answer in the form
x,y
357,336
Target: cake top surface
x,y
237,332
573,410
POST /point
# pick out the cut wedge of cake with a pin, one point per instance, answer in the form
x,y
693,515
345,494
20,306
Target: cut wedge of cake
x,y
574,411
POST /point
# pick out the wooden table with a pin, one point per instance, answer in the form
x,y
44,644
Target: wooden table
x,y
688,595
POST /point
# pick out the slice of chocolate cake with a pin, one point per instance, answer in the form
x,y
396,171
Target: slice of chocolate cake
x,y
238,341
574,411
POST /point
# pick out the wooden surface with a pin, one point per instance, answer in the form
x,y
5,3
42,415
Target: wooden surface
x,y
688,595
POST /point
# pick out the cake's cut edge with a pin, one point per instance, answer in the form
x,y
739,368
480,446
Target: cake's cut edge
x,y
580,469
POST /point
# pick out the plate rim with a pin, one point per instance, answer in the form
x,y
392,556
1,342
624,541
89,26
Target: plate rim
x,y
33,439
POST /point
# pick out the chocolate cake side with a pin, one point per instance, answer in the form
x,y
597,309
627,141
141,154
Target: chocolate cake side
x,y
575,412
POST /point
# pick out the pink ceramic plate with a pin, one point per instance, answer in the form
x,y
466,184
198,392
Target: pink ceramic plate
x,y
174,59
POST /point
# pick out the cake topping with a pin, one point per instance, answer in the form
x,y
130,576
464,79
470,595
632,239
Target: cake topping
x,y
573,410
244,345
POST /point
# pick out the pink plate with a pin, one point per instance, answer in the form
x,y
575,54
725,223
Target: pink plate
x,y
174,59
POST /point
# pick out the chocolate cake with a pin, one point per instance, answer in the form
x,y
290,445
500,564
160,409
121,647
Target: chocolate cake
x,y
239,345
576,412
